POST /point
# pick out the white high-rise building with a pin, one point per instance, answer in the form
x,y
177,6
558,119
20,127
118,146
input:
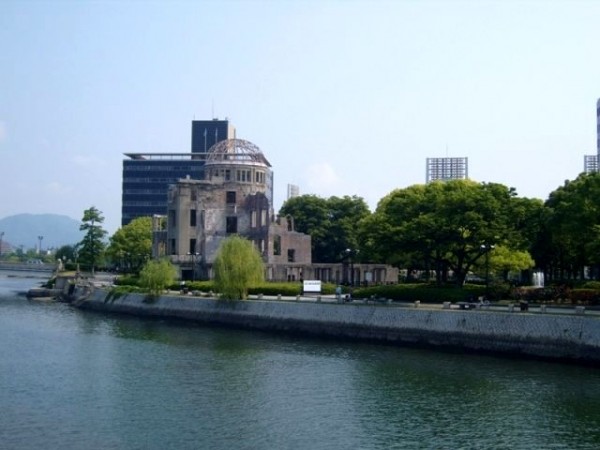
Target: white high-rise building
x,y
447,169
590,163
292,191
598,126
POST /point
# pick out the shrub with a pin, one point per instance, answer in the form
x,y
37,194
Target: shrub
x,y
276,288
591,285
585,296
288,289
546,294
202,286
119,291
127,280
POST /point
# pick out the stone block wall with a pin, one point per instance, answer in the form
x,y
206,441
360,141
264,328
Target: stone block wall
x,y
574,338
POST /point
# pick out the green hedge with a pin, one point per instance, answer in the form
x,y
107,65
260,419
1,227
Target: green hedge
x,y
558,294
421,292
202,286
287,289
546,294
585,296
127,280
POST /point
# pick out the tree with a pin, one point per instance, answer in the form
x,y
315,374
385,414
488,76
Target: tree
x,y
156,275
237,267
572,240
443,226
503,260
66,253
331,223
131,245
91,248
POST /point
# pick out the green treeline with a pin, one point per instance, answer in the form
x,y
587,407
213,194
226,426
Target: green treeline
x,y
461,227
441,233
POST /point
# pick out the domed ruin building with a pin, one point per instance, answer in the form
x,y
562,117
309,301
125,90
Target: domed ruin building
x,y
235,197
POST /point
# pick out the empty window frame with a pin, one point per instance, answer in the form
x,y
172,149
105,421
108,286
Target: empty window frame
x,y
230,197
277,245
231,225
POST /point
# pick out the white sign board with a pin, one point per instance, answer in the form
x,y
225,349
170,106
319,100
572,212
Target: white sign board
x,y
312,286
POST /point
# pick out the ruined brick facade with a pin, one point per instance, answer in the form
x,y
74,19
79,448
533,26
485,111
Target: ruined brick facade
x,y
234,198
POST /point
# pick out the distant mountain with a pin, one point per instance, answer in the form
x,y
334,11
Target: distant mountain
x,y
24,229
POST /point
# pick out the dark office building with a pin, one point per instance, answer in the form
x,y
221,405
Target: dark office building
x,y
147,176
206,133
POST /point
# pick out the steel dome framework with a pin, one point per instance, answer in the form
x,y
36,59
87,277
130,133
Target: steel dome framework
x,y
236,151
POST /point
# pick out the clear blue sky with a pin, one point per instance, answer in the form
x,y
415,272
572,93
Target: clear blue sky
x,y
344,98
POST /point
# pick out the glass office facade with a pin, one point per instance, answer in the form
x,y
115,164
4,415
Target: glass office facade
x,y
147,176
146,179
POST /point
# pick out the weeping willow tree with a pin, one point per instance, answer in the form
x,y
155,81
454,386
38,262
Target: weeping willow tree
x,y
237,267
157,275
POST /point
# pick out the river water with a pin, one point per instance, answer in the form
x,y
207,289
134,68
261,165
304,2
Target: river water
x,y
81,380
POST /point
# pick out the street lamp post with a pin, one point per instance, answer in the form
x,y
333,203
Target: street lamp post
x,y
487,248
194,256
349,253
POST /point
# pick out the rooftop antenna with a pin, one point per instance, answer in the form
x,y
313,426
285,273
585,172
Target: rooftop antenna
x,y
213,108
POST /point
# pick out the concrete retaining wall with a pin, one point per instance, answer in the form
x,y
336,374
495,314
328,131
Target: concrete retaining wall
x,y
574,338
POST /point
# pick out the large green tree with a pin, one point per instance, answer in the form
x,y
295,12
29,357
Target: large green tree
x,y
237,267
131,245
443,226
331,223
90,250
571,233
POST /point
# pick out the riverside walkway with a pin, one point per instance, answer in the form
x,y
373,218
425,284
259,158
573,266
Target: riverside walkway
x,y
510,308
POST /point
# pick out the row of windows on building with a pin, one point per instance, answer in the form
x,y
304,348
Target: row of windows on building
x,y
231,221
146,180
156,168
259,244
145,191
143,203
241,176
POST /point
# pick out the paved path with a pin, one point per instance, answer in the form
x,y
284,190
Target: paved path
x,y
594,310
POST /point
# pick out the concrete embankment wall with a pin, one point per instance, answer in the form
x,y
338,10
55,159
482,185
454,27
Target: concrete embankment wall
x,y
566,337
